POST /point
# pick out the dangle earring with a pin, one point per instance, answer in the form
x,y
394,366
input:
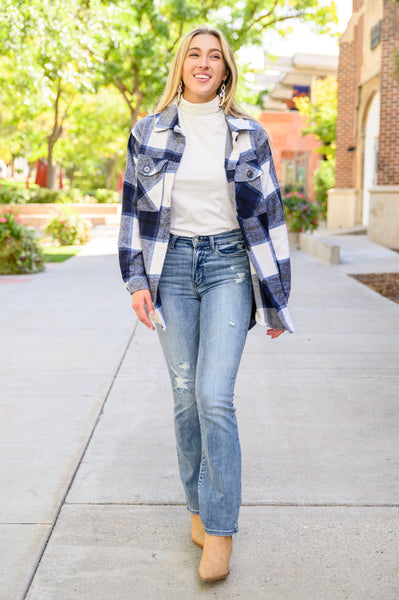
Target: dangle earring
x,y
222,94
179,92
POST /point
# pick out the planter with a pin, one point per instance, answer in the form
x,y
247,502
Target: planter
x,y
293,239
38,215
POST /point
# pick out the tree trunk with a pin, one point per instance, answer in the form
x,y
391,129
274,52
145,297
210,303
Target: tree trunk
x,y
71,175
51,167
109,171
53,137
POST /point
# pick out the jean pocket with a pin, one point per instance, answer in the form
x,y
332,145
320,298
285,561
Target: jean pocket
x,y
233,248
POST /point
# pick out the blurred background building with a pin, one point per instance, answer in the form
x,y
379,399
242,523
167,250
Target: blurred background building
x,y
286,78
367,169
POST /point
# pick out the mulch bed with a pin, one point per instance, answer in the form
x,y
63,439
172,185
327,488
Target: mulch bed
x,y
386,284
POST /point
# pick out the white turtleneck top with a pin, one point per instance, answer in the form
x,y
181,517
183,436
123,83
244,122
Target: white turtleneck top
x,y
200,203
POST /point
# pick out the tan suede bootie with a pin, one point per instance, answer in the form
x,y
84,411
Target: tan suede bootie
x,y
215,560
197,530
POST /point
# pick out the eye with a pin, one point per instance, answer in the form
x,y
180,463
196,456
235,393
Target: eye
x,y
192,54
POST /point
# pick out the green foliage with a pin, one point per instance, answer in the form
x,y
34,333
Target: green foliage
x,y
322,114
300,214
106,196
19,252
18,195
75,75
323,180
322,118
68,229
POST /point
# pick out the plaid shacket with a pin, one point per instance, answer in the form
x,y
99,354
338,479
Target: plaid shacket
x,y
155,147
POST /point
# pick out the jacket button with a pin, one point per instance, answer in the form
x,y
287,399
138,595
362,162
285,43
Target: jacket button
x,y
147,169
250,173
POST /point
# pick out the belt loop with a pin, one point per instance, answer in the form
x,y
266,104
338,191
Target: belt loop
x,y
172,240
212,242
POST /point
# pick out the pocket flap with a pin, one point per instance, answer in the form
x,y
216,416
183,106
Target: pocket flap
x,y
247,172
148,166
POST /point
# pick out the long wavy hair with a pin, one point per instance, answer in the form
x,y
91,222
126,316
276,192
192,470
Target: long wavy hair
x,y
230,105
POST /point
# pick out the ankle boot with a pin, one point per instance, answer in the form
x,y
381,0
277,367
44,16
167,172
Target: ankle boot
x,y
215,560
197,530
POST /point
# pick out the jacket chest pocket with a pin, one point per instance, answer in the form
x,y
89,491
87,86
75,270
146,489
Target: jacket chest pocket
x,y
150,182
247,172
248,187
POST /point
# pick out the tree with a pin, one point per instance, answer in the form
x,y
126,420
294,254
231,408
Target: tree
x,y
50,46
94,139
321,114
142,37
62,50
322,117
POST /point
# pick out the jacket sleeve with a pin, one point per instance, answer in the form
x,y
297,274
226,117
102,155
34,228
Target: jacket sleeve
x,y
274,211
130,248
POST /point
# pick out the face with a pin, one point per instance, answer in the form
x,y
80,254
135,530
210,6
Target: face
x,y
204,69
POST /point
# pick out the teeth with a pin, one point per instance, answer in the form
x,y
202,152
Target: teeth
x,y
202,77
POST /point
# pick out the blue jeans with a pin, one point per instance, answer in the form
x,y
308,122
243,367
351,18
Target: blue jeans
x,y
206,294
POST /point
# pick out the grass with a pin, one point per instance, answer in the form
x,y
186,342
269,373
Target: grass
x,y
13,183
57,254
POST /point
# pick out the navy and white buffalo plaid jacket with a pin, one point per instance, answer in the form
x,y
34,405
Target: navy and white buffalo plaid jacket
x,y
155,147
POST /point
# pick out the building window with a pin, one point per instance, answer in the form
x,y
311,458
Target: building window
x,y
293,172
375,35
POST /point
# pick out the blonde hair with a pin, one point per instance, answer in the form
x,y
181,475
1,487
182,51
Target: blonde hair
x,y
230,105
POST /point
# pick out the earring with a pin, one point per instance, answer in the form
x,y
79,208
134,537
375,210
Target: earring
x,y
179,92
222,94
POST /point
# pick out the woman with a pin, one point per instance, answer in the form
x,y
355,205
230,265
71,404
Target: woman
x,y
204,252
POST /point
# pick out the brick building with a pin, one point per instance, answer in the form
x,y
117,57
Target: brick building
x,y
294,155
367,175
285,78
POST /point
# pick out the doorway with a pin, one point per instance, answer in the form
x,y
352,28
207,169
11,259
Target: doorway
x,y
371,130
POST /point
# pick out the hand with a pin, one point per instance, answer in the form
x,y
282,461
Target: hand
x,y
274,333
140,300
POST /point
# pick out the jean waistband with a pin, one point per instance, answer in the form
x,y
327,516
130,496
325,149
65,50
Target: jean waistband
x,y
205,240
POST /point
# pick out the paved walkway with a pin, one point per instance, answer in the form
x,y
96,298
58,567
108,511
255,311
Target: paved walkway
x,y
90,499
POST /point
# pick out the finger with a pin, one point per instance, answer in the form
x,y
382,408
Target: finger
x,y
139,302
274,333
150,306
143,317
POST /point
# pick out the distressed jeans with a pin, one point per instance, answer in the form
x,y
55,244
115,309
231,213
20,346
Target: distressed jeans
x,y
206,294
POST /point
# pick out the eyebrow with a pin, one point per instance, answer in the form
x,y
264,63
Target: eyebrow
x,y
210,50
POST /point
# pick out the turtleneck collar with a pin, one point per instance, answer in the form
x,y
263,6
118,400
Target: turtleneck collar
x,y
200,108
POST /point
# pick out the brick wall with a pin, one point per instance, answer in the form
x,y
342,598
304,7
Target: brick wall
x,y
349,70
388,154
285,131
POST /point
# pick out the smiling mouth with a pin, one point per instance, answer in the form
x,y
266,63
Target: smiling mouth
x,y
202,77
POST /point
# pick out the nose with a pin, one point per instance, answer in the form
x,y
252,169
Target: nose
x,y
204,62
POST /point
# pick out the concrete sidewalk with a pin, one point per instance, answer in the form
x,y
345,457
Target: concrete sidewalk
x,y
91,502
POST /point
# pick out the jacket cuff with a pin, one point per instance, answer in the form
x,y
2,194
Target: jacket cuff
x,y
136,284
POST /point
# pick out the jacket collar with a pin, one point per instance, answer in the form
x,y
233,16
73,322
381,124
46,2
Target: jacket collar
x,y
168,119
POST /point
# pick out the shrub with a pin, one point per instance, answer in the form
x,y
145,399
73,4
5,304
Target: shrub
x,y
10,195
300,214
323,180
19,253
15,195
108,196
68,228
44,196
